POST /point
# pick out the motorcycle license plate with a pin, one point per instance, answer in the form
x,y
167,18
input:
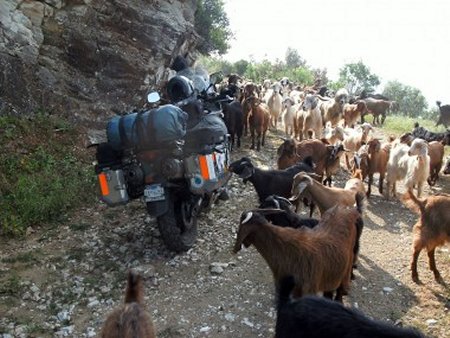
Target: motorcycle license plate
x,y
154,192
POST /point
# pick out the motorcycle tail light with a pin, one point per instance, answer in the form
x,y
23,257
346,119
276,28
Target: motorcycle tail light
x,y
103,184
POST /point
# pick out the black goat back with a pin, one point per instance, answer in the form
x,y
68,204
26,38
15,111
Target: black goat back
x,y
316,317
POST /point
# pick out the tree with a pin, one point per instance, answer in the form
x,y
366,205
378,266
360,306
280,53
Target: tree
x,y
293,59
241,66
211,23
357,77
410,101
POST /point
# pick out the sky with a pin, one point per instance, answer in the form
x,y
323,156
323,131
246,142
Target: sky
x,y
404,40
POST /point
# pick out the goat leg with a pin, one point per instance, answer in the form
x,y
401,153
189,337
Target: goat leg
x,y
369,188
380,184
415,256
432,263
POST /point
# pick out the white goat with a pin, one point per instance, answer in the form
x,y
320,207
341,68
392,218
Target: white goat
x,y
333,135
409,163
332,109
275,105
312,117
289,115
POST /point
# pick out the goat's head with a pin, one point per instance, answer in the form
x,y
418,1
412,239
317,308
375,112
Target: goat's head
x,y
419,147
248,224
406,138
287,148
288,102
361,106
243,168
447,167
276,202
336,151
374,146
341,96
310,102
301,181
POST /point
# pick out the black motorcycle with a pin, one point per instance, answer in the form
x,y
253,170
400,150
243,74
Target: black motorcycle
x,y
175,157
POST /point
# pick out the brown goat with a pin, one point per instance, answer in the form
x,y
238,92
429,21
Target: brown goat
x,y
376,108
130,320
431,230
291,151
353,112
320,259
258,120
436,153
324,197
378,156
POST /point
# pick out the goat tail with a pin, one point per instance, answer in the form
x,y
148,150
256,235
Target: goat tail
x,y
135,289
413,203
285,288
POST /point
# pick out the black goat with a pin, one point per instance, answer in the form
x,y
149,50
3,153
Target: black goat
x,y
270,182
421,132
277,210
234,120
316,317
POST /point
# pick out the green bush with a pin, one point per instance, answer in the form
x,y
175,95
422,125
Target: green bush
x,y
41,175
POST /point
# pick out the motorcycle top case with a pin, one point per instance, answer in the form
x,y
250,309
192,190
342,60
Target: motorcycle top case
x,y
147,129
209,131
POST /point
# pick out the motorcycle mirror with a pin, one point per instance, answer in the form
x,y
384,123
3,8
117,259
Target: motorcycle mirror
x,y
216,77
153,97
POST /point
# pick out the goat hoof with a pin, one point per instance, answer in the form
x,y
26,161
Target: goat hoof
x,y
438,278
416,279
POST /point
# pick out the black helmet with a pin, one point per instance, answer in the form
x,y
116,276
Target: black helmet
x,y
179,88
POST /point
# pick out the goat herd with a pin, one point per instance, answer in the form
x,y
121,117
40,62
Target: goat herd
x,y
310,256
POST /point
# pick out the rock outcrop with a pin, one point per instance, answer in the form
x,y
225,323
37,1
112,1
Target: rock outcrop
x,y
88,58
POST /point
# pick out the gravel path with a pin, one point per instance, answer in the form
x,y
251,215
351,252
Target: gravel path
x,y
64,280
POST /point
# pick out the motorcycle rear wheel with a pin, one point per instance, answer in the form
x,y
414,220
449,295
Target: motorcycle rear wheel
x,y
178,226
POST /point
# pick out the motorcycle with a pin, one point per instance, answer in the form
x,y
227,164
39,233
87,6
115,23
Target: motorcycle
x,y
175,157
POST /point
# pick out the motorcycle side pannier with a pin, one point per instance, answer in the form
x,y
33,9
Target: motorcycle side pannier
x,y
147,129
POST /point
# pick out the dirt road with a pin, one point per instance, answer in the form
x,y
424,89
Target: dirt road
x,y
64,280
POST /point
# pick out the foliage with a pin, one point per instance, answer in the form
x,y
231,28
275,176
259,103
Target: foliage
x,y
410,101
293,59
211,23
357,77
41,176
399,124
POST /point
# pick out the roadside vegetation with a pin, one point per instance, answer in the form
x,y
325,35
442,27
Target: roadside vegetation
x,y
44,172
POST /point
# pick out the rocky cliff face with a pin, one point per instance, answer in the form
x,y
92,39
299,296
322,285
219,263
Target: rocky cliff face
x,y
88,58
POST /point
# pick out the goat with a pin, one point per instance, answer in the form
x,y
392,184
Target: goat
x,y
353,112
421,132
130,320
234,120
269,182
444,115
377,108
291,151
333,135
378,157
355,138
333,162
289,115
312,117
275,106
320,259
409,163
332,109
258,121
278,212
361,161
436,152
316,317
431,230
325,197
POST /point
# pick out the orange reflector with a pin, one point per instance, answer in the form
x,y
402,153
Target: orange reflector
x,y
203,167
103,184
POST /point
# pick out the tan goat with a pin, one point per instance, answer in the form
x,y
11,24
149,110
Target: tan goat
x,y
431,230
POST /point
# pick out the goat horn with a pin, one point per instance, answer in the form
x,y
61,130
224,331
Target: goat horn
x,y
247,218
283,199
